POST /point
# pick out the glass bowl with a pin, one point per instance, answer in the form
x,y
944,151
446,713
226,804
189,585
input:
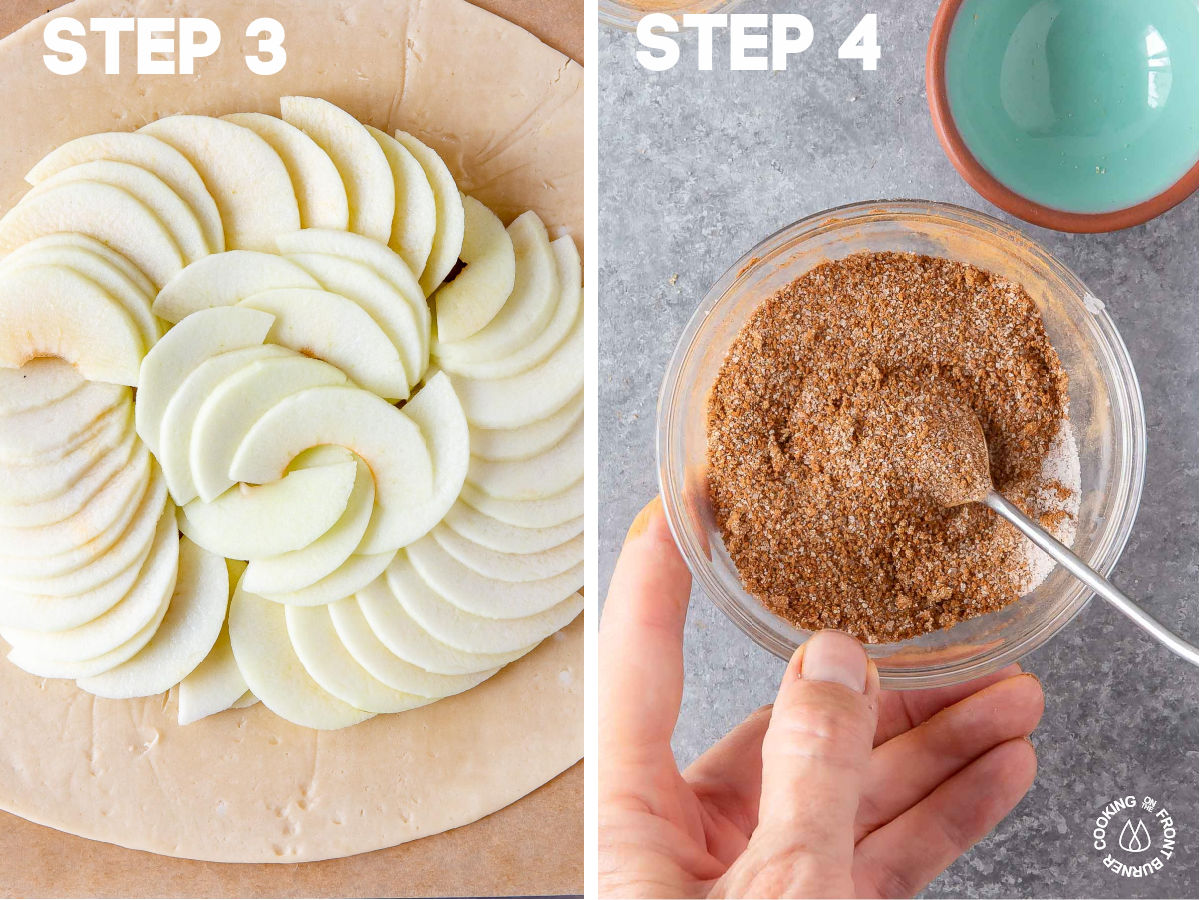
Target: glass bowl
x,y
1106,414
627,13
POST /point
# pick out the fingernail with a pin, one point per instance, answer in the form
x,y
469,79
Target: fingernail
x,y
835,657
642,521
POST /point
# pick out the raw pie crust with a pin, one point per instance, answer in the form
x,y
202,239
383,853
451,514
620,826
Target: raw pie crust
x,y
246,786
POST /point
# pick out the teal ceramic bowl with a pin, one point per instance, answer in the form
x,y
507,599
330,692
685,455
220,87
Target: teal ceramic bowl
x,y
1078,115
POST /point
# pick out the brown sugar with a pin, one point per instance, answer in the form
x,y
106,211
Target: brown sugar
x,y
820,426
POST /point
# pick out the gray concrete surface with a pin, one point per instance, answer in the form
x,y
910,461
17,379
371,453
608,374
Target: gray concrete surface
x,y
696,167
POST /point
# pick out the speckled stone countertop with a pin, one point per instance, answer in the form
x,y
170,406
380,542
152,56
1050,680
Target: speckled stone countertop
x,y
697,167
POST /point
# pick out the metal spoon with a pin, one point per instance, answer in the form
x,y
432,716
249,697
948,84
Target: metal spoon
x,y
954,468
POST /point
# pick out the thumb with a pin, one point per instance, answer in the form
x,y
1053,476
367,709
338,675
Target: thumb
x,y
815,755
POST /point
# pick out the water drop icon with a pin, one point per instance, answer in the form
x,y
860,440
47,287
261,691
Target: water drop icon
x,y
1134,838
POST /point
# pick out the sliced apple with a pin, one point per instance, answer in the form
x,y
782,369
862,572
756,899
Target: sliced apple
x,y
201,335
112,278
137,536
67,240
101,211
316,180
381,301
415,221
536,478
195,614
373,623
45,613
135,611
297,569
529,305
73,496
45,667
506,538
512,567
526,441
264,654
483,596
451,219
533,394
148,153
43,433
331,327
25,484
54,311
266,520
225,278
237,403
543,513
245,176
354,574
436,411
64,546
459,358
214,686
369,653
179,419
37,384
39,464
331,666
477,294
395,671
181,223
245,701
473,633
382,260
387,440
359,159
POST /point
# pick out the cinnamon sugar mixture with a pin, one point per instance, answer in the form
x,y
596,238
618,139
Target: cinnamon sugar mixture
x,y
943,449
839,437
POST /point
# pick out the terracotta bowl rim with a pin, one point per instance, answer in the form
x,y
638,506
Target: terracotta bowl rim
x,y
992,189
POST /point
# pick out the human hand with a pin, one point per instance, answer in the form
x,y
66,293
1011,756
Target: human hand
x,y
838,790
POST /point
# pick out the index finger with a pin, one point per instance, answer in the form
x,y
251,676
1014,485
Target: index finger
x,y
900,711
641,645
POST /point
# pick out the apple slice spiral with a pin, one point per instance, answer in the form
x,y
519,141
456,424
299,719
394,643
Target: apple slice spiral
x,y
306,498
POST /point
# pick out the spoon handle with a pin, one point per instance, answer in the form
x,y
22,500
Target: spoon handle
x,y
1092,579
